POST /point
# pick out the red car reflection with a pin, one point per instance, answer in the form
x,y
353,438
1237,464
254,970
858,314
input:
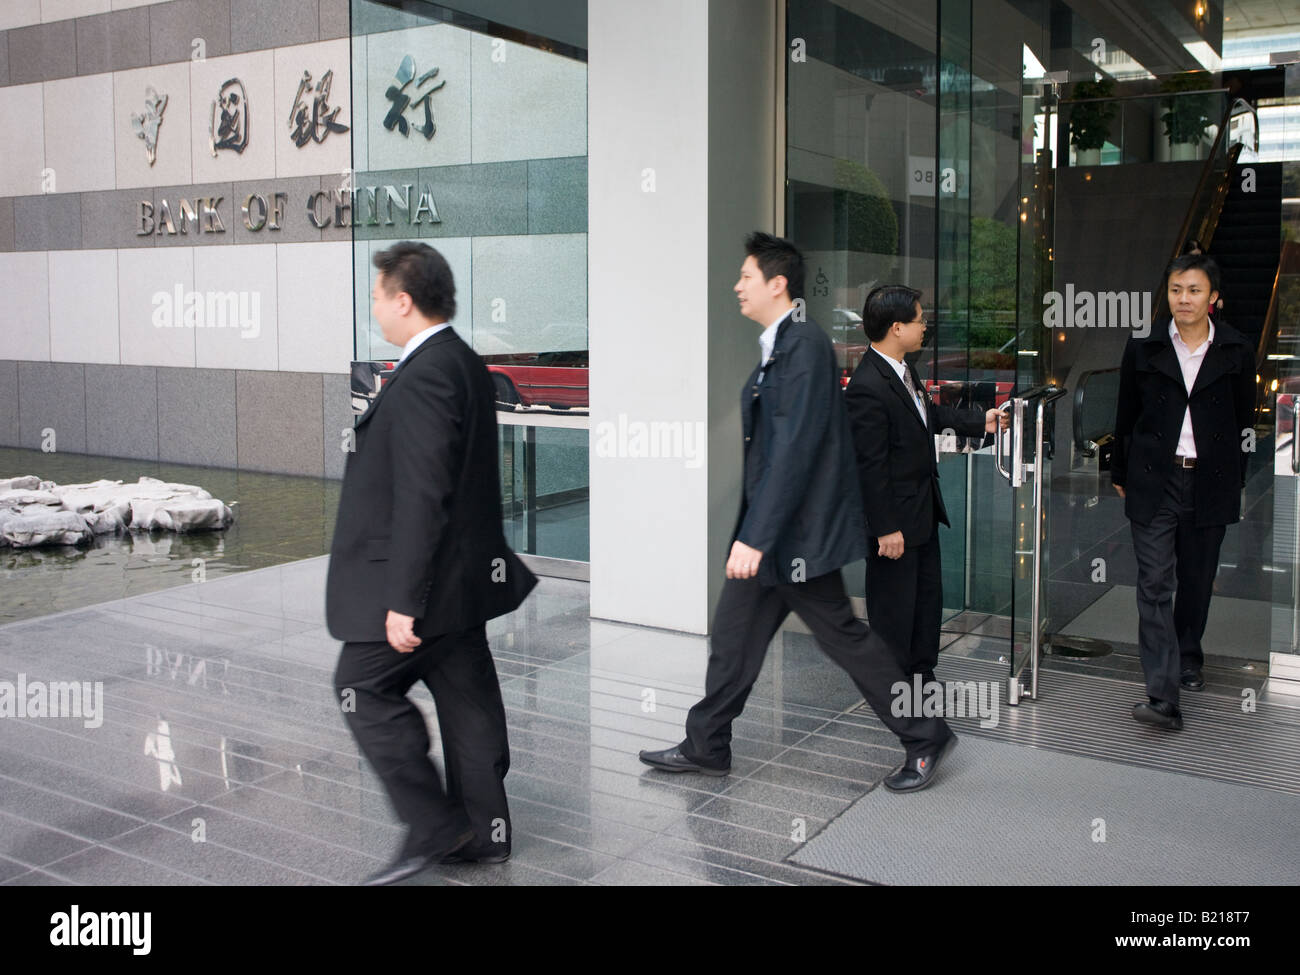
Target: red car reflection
x,y
549,380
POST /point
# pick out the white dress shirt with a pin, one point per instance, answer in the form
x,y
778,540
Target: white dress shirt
x,y
899,366
767,339
1189,360
418,339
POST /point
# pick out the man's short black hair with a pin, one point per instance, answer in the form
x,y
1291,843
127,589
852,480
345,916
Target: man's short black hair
x,y
776,255
1194,262
422,273
885,305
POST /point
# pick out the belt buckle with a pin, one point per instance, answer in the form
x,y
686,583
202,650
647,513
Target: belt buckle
x,y
1187,463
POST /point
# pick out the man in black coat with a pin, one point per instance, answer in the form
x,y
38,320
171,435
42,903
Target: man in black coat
x,y
418,564
894,424
800,523
1183,432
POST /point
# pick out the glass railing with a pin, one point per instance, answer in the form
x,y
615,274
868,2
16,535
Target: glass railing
x,y
1158,127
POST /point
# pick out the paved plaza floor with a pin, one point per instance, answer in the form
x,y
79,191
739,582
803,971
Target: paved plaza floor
x,y
222,758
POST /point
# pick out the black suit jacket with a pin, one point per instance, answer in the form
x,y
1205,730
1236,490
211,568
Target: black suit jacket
x,y
419,523
897,472
801,507
1149,419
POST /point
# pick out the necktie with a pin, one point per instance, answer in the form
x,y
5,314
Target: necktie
x,y
911,388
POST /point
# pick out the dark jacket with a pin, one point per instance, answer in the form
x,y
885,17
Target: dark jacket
x,y
1149,418
419,523
897,472
801,507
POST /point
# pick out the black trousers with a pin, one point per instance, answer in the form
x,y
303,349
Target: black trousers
x,y
905,602
1177,563
748,616
391,732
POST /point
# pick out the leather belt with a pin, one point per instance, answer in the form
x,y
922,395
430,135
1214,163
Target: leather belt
x,y
1185,462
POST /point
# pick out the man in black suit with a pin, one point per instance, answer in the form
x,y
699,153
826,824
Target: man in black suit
x,y
894,424
800,523
1183,427
418,564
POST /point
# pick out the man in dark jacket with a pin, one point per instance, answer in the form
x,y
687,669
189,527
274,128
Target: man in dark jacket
x,y
800,523
894,424
1183,430
418,563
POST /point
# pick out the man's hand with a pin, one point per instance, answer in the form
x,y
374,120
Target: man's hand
x,y
891,546
994,419
401,632
743,561
1118,490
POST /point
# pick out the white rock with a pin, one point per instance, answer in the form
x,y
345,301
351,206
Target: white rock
x,y
39,525
26,496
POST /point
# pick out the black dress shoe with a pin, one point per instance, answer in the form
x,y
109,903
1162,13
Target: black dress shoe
x,y
408,865
919,772
1162,714
1192,680
672,760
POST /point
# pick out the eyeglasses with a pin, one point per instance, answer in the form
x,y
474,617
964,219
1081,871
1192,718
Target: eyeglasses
x,y
919,321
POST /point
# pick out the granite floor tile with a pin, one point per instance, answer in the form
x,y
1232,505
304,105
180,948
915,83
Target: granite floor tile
x,y
209,860
626,873
36,845
773,822
808,781
102,867
12,869
37,878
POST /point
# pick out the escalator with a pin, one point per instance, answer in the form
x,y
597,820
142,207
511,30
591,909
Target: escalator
x,y
1246,243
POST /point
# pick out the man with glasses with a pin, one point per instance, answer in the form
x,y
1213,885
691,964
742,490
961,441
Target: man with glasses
x,y
894,424
799,524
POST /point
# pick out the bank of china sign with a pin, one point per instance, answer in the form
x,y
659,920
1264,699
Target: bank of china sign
x,y
311,120
346,206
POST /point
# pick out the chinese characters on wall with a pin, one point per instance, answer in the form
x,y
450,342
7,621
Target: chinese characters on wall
x,y
311,119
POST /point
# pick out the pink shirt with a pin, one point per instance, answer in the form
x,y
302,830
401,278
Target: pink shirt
x,y
1189,360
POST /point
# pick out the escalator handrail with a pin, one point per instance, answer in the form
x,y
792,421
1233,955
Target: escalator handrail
x,y
1203,183
1082,443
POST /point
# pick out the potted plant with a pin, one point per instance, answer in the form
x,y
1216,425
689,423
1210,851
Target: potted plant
x,y
1187,115
1090,121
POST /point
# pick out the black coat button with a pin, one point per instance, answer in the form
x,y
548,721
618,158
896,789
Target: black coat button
x,y
1160,435
1148,468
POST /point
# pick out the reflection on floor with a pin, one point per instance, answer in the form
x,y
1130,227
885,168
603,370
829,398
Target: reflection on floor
x,y
220,714
222,757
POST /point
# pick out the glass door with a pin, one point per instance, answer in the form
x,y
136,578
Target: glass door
x,y
1281,378
1032,433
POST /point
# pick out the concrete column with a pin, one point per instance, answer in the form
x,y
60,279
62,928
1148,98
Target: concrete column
x,y
682,112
